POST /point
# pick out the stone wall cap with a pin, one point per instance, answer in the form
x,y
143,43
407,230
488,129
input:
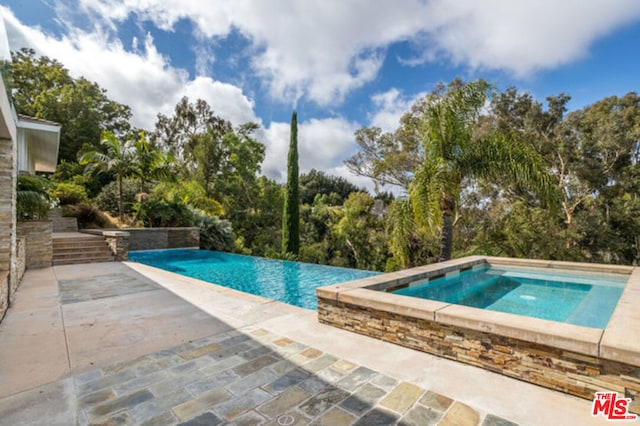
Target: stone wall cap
x,y
115,233
584,340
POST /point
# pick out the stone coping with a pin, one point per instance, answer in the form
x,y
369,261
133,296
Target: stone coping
x,y
613,343
157,229
115,233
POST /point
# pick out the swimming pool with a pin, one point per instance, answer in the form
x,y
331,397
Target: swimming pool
x,y
570,297
286,281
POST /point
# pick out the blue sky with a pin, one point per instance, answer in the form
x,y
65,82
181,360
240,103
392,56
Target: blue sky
x,y
341,64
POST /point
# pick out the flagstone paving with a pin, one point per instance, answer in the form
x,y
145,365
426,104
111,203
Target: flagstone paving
x,y
252,376
123,344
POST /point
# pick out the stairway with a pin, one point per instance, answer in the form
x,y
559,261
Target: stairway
x,y
74,247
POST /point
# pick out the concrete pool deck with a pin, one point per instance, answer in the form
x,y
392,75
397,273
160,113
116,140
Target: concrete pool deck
x,y
125,343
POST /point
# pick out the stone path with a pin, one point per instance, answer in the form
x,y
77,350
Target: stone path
x,y
250,377
124,344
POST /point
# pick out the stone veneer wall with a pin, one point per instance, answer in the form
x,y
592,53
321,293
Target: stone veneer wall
x,y
7,202
118,242
183,237
61,223
162,238
38,244
8,176
21,265
4,293
566,371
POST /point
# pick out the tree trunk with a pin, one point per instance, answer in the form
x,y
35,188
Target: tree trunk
x,y
447,205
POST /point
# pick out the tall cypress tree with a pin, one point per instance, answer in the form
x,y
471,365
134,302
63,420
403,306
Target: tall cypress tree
x,y
291,213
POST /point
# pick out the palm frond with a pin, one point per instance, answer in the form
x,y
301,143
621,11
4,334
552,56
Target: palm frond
x,y
507,156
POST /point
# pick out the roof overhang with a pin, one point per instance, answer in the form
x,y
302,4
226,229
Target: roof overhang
x,y
43,139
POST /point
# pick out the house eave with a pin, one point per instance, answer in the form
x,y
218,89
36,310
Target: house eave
x,y
43,140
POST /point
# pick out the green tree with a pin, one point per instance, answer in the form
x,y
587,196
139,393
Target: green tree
x,y
179,133
387,158
409,243
362,233
148,162
211,157
43,88
259,226
317,182
609,133
439,155
117,158
453,155
190,193
291,210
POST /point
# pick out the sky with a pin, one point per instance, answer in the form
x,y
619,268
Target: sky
x,y
340,64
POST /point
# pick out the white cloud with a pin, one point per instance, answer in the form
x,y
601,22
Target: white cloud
x,y
323,144
520,37
314,49
390,107
324,50
141,77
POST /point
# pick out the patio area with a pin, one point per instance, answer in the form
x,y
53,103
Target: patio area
x,y
124,343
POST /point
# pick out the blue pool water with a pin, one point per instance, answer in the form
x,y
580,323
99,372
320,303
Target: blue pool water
x,y
289,282
572,298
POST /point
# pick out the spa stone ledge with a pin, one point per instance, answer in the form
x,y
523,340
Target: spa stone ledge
x,y
583,340
396,304
394,280
621,340
561,265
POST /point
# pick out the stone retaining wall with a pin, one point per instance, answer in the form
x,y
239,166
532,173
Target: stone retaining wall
x,y
62,223
570,372
4,293
21,266
183,237
38,244
7,202
156,238
118,242
163,238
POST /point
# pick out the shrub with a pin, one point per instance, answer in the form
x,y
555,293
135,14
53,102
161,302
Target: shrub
x,y
32,199
161,213
215,234
89,216
107,199
69,193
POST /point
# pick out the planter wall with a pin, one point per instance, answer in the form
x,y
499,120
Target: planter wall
x,y
38,245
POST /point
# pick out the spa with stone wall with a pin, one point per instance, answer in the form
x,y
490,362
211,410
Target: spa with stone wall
x,y
572,359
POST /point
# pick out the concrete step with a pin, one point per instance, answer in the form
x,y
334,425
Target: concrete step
x,y
95,249
77,239
66,245
82,254
69,250
76,261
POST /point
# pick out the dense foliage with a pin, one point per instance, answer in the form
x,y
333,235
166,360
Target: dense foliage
x,y
473,171
32,198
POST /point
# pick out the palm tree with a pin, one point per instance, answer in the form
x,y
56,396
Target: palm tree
x,y
148,161
117,158
452,155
